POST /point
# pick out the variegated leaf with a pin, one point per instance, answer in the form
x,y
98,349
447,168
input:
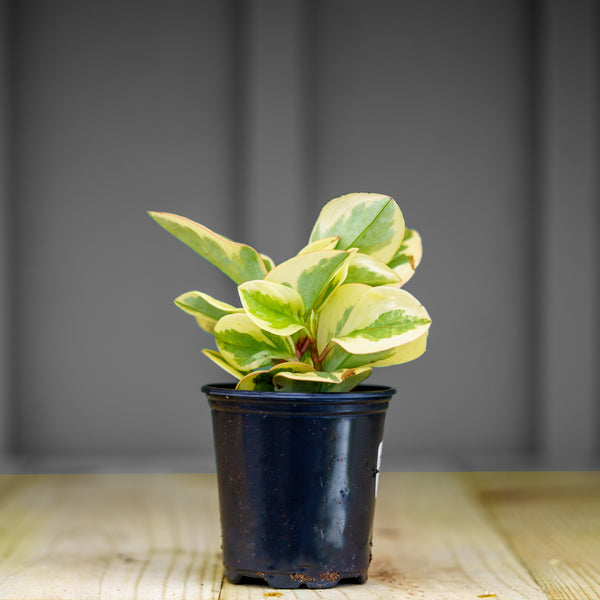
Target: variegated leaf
x,y
238,261
328,243
336,310
408,257
310,382
394,356
363,268
313,275
383,318
269,262
273,306
219,360
320,381
404,353
204,308
246,346
373,223
263,379
350,379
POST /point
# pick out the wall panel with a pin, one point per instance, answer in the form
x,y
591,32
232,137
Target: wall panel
x,y
569,155
428,102
123,108
479,117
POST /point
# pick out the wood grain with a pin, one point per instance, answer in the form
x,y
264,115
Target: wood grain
x,y
110,537
552,521
436,536
431,541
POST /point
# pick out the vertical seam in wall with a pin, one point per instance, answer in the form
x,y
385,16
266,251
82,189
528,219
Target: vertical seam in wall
x,y
5,232
535,225
596,216
11,216
557,165
239,118
310,102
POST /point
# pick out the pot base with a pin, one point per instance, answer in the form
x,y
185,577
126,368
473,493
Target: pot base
x,y
295,580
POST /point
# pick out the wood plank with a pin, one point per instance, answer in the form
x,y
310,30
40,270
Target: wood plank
x,y
431,540
498,481
109,537
157,536
436,542
552,520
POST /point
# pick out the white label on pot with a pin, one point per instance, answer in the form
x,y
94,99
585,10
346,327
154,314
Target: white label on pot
x,y
379,450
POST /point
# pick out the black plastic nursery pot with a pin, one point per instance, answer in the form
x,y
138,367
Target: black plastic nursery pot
x,y
297,476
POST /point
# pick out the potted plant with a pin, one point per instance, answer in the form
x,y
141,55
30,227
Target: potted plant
x,y
298,437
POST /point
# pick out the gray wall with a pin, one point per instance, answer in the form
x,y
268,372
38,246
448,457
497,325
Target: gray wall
x,y
479,117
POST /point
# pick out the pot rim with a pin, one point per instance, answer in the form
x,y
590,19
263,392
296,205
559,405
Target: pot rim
x,y
360,392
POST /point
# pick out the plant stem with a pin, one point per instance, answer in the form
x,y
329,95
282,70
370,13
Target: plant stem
x,y
326,351
302,346
314,353
309,340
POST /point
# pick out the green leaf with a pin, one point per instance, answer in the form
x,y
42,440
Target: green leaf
x,y
246,346
204,308
383,318
408,257
263,380
238,261
273,306
218,359
363,268
373,223
313,275
328,243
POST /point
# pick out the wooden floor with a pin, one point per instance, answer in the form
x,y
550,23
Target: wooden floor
x,y
437,536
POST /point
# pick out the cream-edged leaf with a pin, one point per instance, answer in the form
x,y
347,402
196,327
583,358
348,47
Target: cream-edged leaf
x,y
219,360
312,275
269,262
311,381
350,378
238,261
320,381
206,309
373,223
273,306
336,310
363,268
408,257
263,379
383,318
404,353
386,358
246,346
328,243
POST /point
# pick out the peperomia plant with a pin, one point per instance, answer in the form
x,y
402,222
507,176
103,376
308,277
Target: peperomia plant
x,y
320,321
